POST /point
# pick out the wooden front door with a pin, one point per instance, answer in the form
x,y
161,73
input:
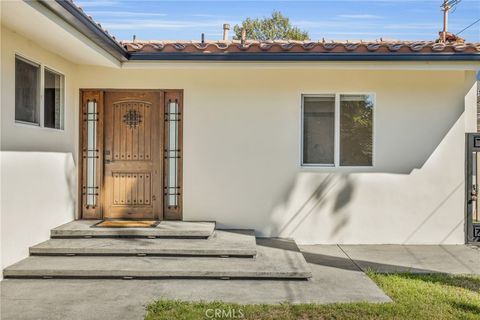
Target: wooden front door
x,y
132,156
128,154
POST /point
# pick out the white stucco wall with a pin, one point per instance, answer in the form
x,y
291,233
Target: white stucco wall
x,y
38,194
242,152
21,137
37,167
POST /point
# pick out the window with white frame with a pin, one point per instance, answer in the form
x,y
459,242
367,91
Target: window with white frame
x,y
337,130
39,94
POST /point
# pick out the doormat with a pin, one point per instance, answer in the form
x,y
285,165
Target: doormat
x,y
126,223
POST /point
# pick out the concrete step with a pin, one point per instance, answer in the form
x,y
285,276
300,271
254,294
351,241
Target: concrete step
x,y
270,263
165,229
238,243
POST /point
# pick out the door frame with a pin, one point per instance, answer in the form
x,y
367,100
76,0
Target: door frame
x,y
472,181
99,93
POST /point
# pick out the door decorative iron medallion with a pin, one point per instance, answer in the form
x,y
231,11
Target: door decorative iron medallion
x,y
132,118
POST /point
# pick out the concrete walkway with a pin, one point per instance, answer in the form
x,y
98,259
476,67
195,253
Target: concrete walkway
x,y
460,259
337,277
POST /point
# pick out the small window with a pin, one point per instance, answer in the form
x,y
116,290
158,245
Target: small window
x,y
39,95
337,130
27,91
53,100
319,130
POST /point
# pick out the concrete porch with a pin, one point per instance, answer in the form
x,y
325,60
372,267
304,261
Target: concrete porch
x,y
337,276
76,274
172,249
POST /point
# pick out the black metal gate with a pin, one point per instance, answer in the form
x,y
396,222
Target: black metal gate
x,y
472,170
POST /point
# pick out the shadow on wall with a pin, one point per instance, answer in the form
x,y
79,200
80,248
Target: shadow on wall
x,y
323,192
71,181
421,205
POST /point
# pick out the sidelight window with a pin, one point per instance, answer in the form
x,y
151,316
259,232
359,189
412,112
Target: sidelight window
x,y
91,154
172,154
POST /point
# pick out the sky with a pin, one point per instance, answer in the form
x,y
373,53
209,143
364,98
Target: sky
x,y
328,19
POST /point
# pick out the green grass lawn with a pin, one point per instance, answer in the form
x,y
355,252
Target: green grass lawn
x,y
431,297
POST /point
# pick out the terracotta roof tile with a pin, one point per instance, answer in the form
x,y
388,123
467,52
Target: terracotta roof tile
x,y
290,46
249,46
300,47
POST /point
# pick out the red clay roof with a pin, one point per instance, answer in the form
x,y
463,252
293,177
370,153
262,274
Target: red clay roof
x,y
299,47
363,48
385,47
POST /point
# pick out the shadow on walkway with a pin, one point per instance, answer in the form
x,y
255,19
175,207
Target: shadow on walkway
x,y
341,262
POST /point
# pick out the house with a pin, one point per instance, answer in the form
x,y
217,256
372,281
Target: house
x,y
322,142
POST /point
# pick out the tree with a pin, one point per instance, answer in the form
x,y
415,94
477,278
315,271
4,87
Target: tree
x,y
356,128
276,27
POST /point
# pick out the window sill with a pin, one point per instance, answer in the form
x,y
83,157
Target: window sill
x,y
27,124
304,165
36,126
332,166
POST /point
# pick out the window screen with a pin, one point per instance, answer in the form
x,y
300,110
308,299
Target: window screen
x,y
27,84
319,129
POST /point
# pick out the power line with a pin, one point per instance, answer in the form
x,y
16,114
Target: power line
x,y
477,21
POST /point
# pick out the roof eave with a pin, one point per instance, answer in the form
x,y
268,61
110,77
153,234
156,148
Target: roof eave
x,y
74,16
264,56
67,11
